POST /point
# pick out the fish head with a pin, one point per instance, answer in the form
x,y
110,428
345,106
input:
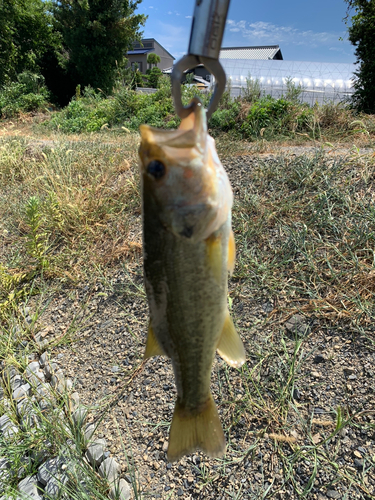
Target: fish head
x,y
182,174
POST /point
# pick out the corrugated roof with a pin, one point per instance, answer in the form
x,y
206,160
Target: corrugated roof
x,y
262,52
138,51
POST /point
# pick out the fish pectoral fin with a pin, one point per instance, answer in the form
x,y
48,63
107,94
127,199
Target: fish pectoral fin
x,y
214,255
153,348
230,346
231,253
200,428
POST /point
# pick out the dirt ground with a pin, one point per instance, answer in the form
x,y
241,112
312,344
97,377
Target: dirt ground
x,y
312,438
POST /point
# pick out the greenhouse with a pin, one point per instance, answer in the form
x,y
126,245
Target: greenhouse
x,y
321,82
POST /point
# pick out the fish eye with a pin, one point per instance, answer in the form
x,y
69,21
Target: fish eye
x,y
156,168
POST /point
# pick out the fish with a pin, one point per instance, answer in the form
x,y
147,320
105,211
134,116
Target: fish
x,y
188,251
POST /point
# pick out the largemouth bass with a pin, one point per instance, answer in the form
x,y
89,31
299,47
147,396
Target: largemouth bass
x,y
188,249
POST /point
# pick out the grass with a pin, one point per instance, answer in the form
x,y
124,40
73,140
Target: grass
x,y
305,231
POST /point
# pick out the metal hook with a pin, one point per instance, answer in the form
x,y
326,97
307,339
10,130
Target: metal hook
x,y
190,62
207,31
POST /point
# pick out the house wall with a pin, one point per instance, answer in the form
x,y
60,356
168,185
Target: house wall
x,y
166,60
141,59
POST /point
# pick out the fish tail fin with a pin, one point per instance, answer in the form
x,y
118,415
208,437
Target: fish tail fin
x,y
196,429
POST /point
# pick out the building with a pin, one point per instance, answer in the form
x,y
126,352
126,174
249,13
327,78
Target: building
x,y
261,52
143,48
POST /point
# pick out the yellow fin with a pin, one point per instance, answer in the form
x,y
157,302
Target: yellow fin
x,y
231,253
215,256
230,346
153,347
196,429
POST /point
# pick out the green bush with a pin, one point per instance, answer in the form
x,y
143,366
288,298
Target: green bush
x,y
88,113
225,119
25,95
92,110
248,118
266,113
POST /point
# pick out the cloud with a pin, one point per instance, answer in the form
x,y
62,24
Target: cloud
x,y
174,37
188,17
151,7
260,32
341,50
170,12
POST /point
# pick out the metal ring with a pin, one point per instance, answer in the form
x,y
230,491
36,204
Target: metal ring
x,y
189,62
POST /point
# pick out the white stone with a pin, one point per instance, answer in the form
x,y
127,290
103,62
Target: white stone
x,y
4,471
42,390
79,415
89,432
16,382
28,488
21,392
37,378
47,470
10,431
4,422
122,491
32,367
54,486
68,384
95,452
43,359
109,469
50,369
74,401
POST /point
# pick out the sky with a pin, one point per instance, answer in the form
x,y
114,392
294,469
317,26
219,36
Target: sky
x,y
305,30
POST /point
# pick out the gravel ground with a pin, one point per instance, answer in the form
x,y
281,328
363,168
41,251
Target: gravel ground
x,y
105,361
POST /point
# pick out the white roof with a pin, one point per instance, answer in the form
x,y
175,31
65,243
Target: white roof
x,y
264,53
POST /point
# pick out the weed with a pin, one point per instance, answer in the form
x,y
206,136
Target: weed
x,y
252,92
37,240
293,91
27,94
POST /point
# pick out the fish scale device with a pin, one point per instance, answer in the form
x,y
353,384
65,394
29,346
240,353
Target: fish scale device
x,y
204,48
189,248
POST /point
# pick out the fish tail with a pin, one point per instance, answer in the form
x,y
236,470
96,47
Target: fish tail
x,y
200,428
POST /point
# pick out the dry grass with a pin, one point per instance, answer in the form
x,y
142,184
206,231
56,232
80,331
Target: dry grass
x,y
306,231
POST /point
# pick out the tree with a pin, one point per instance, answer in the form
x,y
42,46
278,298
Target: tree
x,y
26,35
96,34
362,36
189,78
153,77
153,59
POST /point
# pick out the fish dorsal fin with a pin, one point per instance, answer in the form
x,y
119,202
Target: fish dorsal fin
x,y
231,253
153,348
230,346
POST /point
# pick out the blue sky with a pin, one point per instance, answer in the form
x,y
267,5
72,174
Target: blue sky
x,y
306,30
